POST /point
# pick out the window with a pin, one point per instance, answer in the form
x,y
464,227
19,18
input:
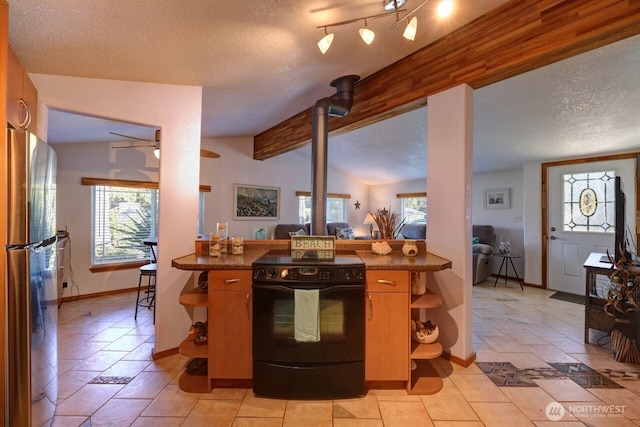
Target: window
x,y
123,214
121,219
589,202
413,207
336,207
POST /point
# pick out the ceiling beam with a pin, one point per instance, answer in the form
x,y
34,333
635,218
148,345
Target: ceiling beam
x,y
518,36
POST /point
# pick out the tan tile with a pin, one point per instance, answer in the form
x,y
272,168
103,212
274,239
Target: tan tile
x,y
68,421
127,343
533,402
308,413
142,352
119,412
500,414
212,412
79,351
109,335
622,397
226,393
363,407
394,396
351,422
100,361
260,407
171,402
257,422
448,404
126,368
524,360
71,381
402,414
173,363
458,424
478,388
146,385
565,390
549,353
158,422
87,399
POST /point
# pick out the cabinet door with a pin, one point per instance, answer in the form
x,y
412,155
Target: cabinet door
x,y
387,336
230,343
14,89
230,280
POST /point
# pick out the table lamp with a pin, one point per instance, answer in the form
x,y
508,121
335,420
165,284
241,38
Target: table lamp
x,y
370,221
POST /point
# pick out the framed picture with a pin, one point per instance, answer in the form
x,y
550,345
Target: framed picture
x,y
497,199
256,202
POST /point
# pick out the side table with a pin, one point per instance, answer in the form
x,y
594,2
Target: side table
x,y
506,260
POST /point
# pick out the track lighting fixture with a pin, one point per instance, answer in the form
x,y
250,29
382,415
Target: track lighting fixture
x,y
392,8
366,34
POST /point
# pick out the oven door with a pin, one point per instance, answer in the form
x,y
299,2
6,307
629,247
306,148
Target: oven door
x,y
341,318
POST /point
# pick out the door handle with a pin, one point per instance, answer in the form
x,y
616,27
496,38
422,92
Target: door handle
x,y
552,237
231,281
247,306
370,307
387,282
553,229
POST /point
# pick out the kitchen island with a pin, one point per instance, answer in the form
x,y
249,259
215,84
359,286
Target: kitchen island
x,y
392,358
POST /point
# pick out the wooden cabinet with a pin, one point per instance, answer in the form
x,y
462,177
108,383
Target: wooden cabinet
x,y
22,97
387,327
194,382
230,326
424,378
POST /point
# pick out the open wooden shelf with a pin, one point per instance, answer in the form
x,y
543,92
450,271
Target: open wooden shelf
x,y
189,349
424,379
425,351
194,383
195,298
427,300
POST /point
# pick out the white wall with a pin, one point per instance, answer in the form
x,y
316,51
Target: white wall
x,y
508,223
385,195
177,111
290,172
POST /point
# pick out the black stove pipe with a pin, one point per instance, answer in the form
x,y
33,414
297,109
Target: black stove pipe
x,y
322,109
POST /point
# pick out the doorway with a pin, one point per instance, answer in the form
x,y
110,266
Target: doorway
x,y
580,216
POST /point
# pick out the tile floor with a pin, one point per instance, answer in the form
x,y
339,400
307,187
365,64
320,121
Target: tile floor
x,y
531,361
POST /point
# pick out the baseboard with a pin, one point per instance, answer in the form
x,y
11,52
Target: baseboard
x,y
165,353
465,363
101,294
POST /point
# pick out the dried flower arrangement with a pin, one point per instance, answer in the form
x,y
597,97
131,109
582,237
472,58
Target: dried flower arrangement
x,y
388,222
623,300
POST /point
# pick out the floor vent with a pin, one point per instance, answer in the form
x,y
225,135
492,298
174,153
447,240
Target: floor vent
x,y
111,380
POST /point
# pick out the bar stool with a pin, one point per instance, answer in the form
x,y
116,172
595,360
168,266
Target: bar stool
x,y
148,300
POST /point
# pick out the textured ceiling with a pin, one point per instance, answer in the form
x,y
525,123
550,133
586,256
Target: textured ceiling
x,y
258,64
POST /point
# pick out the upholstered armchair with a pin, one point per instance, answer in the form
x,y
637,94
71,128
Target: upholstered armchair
x,y
482,252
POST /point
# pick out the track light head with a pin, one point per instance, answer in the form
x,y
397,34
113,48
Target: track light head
x,y
325,43
366,34
411,29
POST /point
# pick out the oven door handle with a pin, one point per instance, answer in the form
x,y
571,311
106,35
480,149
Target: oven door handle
x,y
321,290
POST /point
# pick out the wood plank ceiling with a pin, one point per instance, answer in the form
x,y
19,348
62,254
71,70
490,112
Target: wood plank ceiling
x,y
519,36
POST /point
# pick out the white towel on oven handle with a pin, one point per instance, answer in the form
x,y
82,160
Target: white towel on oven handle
x,y
306,315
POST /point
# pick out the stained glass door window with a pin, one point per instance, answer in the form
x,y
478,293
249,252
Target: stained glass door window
x,y
589,202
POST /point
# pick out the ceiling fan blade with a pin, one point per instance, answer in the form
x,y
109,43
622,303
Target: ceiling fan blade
x,y
131,137
132,146
209,154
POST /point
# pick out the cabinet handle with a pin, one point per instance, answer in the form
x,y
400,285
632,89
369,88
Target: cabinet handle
x,y
370,307
27,115
246,306
231,281
387,282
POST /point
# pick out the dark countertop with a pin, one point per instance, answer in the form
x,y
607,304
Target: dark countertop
x,y
424,261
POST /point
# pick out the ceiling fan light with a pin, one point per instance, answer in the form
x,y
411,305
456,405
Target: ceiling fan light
x,y
367,35
156,152
390,5
325,43
411,29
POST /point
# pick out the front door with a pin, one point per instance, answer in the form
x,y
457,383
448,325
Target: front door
x,y
581,217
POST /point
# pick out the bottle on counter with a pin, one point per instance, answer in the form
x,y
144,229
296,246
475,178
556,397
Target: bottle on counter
x,y
222,230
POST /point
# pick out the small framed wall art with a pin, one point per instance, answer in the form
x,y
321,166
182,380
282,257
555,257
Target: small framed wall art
x,y
252,202
498,198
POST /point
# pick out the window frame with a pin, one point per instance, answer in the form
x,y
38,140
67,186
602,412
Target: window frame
x,y
406,196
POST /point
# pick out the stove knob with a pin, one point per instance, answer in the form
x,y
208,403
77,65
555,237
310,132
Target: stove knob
x,y
273,273
259,273
356,274
342,273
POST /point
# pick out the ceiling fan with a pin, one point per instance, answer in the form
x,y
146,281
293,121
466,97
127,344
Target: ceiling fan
x,y
156,145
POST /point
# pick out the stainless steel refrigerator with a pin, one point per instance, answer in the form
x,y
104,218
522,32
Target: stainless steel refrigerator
x,y
31,285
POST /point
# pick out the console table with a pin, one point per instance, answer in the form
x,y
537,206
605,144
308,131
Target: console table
x,y
594,315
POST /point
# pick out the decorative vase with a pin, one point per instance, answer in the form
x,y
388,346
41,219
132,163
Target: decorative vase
x,y
409,248
424,333
418,287
505,246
